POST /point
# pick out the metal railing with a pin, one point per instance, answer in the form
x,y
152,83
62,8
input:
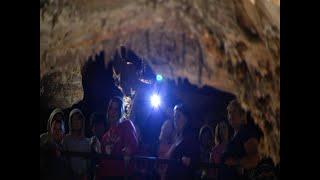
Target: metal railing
x,y
135,158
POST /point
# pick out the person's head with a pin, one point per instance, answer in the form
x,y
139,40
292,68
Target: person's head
x,y
57,130
181,117
76,121
56,114
206,136
236,114
115,109
98,124
166,130
221,133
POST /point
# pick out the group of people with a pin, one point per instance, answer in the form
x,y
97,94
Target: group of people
x,y
120,139
118,136
235,155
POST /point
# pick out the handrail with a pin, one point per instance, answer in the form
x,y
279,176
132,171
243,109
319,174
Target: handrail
x,y
134,158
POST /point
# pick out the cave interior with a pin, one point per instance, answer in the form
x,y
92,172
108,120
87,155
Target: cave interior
x,y
208,52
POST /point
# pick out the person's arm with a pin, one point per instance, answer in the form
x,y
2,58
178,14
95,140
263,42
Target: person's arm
x,y
251,160
95,145
252,156
192,156
89,162
64,144
130,138
169,152
103,143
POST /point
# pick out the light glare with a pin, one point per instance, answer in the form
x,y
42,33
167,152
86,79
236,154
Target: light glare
x,y
155,100
159,77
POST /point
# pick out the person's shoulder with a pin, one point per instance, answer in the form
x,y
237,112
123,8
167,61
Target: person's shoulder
x,y
126,123
218,146
92,139
86,139
250,131
44,140
43,136
253,128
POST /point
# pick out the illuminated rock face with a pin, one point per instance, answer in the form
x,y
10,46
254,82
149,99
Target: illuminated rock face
x,y
230,45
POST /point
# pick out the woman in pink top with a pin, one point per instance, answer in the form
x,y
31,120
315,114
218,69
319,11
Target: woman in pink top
x,y
221,140
119,140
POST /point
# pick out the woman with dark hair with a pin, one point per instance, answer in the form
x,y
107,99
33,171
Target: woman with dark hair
x,y
206,142
241,154
221,139
120,140
185,149
205,138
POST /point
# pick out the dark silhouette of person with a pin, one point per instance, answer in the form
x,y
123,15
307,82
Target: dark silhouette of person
x,y
186,149
53,165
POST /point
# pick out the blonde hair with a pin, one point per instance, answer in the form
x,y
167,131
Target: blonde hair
x,y
221,131
234,105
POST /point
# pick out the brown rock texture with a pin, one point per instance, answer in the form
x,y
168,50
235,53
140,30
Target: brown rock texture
x,y
232,45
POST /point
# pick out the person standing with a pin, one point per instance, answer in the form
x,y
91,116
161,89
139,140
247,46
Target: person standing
x,y
221,139
185,150
165,141
241,153
52,163
120,140
76,141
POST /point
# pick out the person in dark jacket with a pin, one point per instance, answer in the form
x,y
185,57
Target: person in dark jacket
x,y
185,151
241,154
98,126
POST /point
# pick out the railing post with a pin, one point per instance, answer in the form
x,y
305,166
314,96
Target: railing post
x,y
126,166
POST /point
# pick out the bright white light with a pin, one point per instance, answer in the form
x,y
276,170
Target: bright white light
x,y
155,100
